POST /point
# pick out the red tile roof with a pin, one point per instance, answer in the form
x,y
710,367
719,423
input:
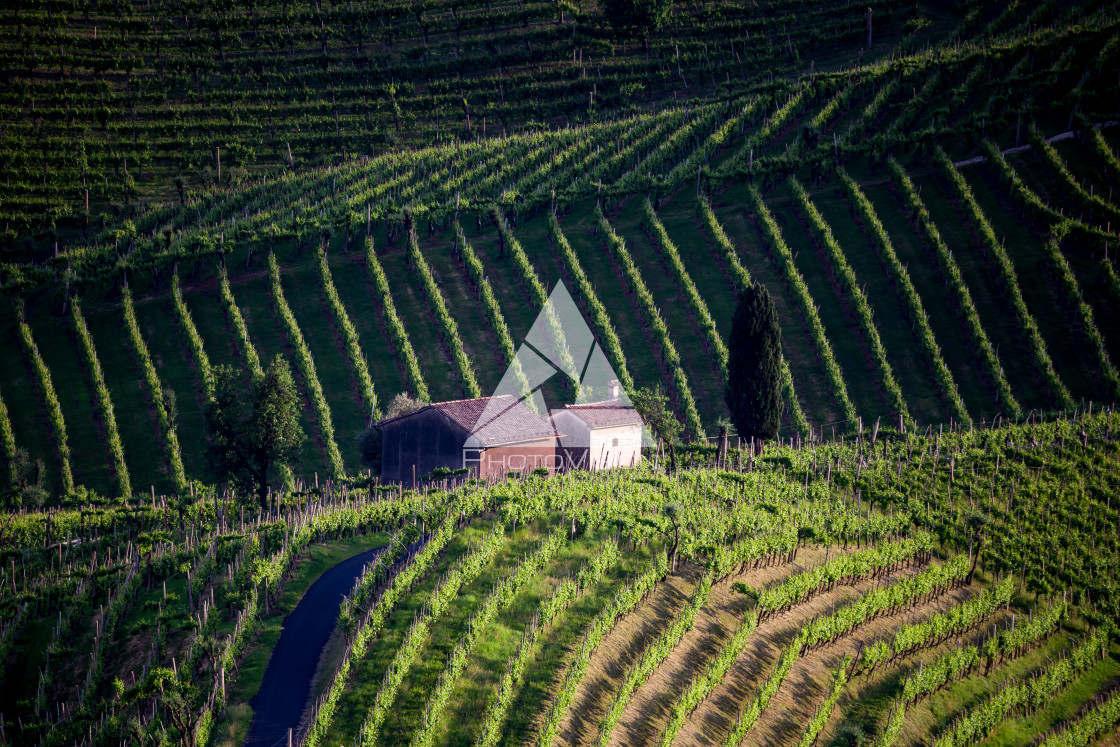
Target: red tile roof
x,y
608,414
508,419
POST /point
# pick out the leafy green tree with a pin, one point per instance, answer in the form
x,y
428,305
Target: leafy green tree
x,y
26,478
179,705
653,406
754,365
369,445
402,404
852,734
637,16
249,435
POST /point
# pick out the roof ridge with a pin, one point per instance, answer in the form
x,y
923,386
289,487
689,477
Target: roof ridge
x,y
468,399
604,405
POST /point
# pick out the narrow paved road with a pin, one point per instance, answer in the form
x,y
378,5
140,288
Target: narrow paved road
x,y
287,679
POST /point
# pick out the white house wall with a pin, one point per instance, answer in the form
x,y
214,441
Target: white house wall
x,y
604,453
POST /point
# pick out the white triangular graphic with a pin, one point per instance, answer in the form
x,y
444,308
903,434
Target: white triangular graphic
x,y
560,334
560,343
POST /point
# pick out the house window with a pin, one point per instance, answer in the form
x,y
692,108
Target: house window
x,y
614,442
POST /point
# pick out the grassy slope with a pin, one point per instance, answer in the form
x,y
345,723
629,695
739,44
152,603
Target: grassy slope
x,y
982,277
89,451
479,341
700,257
684,226
408,709
536,240
419,321
133,406
133,403
841,327
253,294
904,353
808,376
939,301
356,291
580,227
27,410
554,653
171,356
366,677
479,681
304,293
1067,705
1087,166
697,360
1058,322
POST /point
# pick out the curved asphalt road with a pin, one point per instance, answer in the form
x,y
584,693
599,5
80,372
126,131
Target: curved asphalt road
x,y
287,679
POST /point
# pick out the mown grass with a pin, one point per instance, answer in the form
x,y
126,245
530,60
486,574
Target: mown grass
x,y
1060,323
440,373
812,385
479,342
904,352
304,293
133,405
536,240
697,359
89,452
26,407
931,718
1041,286
940,303
1065,706
171,356
842,329
580,228
554,651
701,259
473,689
407,713
208,312
253,294
988,293
355,289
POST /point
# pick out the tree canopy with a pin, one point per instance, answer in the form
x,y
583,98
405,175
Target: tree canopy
x,y
250,435
636,16
754,365
653,406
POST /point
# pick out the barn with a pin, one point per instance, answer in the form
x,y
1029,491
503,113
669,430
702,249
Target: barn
x,y
599,435
488,435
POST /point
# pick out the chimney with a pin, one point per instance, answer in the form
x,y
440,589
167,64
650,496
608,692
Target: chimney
x,y
613,389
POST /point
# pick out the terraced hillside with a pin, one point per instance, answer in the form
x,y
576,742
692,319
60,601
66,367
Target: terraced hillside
x,y
951,589
130,105
938,242
926,554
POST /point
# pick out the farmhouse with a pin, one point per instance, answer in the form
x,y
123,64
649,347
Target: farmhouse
x,y
488,435
598,435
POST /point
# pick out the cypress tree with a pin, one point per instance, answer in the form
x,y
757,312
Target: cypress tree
x,y
754,365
